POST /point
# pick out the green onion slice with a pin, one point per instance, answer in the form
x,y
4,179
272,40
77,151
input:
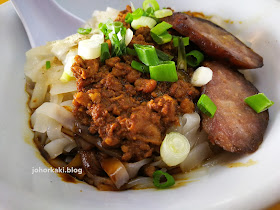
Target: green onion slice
x,y
48,64
65,77
84,31
149,12
128,18
161,28
142,22
185,40
182,62
152,3
174,148
165,72
163,13
140,67
206,105
157,175
117,26
259,102
163,56
105,53
147,54
137,13
130,51
163,38
194,58
115,31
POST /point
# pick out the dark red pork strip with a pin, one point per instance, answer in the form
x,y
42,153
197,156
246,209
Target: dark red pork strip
x,y
215,41
235,126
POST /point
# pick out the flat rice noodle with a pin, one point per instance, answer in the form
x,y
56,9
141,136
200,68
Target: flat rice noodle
x,y
41,51
95,140
133,168
57,99
61,47
222,158
83,144
190,122
54,73
57,162
101,17
58,113
102,183
33,68
76,161
189,127
69,147
68,104
56,147
90,163
159,163
40,122
140,183
54,129
61,87
39,94
196,157
115,170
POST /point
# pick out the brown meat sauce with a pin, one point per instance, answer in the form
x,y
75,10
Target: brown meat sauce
x,y
125,108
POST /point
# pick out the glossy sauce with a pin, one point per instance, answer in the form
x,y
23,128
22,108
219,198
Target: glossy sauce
x,y
239,164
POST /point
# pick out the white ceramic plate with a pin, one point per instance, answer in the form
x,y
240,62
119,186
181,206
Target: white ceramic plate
x,y
253,187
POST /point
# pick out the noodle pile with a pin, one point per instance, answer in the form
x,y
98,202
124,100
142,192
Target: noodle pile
x,y
53,122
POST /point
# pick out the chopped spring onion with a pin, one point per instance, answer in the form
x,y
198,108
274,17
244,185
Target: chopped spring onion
x,y
201,76
140,67
259,102
157,175
137,13
128,18
147,54
149,12
89,49
161,28
103,27
163,13
65,77
110,27
163,38
116,32
194,58
165,72
163,56
142,22
116,45
117,26
182,62
130,51
152,3
185,40
84,31
105,53
48,64
174,148
206,105
128,36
